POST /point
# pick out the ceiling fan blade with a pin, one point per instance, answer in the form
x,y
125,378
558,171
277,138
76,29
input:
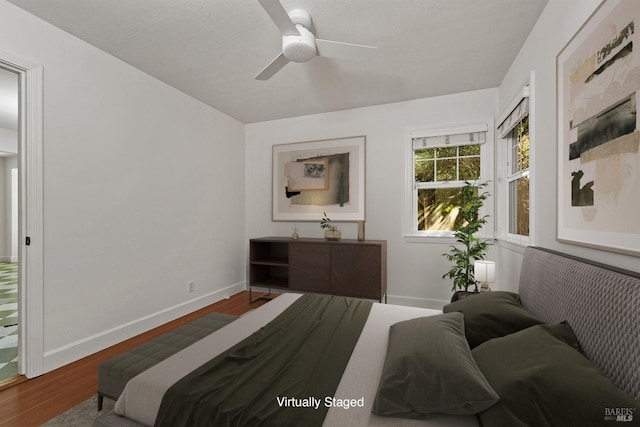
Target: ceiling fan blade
x,y
341,50
280,17
275,66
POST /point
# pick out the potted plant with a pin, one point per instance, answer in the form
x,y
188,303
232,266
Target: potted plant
x,y
331,231
469,247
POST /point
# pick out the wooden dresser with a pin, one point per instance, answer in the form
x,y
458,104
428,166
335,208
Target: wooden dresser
x,y
349,268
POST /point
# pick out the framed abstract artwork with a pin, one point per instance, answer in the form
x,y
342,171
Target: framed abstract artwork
x,y
598,80
314,177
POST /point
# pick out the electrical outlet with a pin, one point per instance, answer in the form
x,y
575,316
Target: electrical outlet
x,y
191,286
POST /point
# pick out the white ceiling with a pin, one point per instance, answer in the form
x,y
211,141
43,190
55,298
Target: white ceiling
x,y
212,49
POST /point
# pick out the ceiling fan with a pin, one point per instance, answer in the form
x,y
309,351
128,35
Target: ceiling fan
x,y
299,44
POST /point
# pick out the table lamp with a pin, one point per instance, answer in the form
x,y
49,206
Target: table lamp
x,y
485,273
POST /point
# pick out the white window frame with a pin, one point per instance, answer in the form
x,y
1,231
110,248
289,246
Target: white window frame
x,y
505,176
411,232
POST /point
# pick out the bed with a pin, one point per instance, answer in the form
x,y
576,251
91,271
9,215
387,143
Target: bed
x,y
588,313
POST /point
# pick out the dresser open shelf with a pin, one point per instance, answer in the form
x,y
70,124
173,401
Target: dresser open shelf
x,y
346,267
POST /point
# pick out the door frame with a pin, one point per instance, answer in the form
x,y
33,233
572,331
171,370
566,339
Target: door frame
x,y
31,213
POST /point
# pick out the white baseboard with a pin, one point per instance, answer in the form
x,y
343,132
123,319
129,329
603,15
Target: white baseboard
x,y
417,302
66,354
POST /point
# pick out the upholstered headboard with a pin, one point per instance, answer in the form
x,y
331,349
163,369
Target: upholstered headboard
x,y
601,303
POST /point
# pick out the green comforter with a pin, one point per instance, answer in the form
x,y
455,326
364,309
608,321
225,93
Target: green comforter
x,y
281,375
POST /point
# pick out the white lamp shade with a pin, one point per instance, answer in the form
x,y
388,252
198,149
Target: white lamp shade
x,y
484,271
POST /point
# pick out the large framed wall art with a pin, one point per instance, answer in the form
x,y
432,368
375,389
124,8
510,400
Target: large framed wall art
x,y
598,76
314,177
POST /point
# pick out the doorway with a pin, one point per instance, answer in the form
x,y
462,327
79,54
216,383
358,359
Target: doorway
x,y
9,223
28,214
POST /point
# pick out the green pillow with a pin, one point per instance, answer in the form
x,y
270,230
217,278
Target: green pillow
x,y
544,380
429,369
492,314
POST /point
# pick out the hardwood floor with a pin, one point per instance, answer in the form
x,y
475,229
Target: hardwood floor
x,y
34,401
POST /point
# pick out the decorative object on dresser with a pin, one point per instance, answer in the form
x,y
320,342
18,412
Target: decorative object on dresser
x,y
360,230
472,247
331,232
347,267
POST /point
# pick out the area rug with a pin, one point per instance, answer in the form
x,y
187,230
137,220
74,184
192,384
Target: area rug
x,y
81,415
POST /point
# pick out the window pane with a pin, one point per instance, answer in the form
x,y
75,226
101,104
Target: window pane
x,y
446,170
470,150
513,146
519,206
424,165
446,152
523,144
469,168
520,146
438,209
425,171
424,153
523,155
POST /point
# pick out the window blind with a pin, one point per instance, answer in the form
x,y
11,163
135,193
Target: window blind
x,y
515,116
454,139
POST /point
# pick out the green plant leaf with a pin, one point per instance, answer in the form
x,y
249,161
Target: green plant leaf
x,y
469,248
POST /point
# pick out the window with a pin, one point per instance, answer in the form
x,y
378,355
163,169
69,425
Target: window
x,y
518,178
440,164
516,169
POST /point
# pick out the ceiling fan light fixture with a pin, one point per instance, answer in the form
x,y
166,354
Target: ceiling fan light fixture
x,y
299,44
299,48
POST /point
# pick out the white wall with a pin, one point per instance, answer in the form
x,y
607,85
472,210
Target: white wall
x,y
559,21
8,206
144,191
8,144
414,269
8,140
10,216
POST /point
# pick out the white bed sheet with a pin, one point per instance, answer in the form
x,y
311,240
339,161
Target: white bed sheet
x,y
141,398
